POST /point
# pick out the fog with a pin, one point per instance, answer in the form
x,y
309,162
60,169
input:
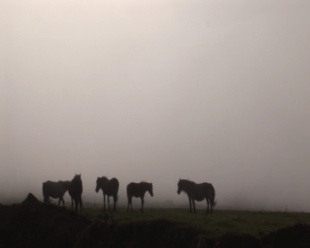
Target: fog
x,y
207,90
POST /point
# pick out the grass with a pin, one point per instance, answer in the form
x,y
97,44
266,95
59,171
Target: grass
x,y
219,223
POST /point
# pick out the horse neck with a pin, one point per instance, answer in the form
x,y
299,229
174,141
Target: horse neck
x,y
143,188
146,189
77,183
103,183
188,187
102,186
66,184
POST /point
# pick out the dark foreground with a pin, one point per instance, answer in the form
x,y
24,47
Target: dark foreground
x,y
33,224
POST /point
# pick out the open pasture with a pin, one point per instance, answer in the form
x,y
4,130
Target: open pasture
x,y
33,224
255,223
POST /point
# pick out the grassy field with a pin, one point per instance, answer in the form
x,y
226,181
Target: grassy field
x,y
220,222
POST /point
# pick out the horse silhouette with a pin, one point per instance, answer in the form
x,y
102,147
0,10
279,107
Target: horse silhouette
x,y
109,188
138,190
55,190
75,191
198,192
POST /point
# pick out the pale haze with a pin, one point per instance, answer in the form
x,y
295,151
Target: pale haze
x,y
207,90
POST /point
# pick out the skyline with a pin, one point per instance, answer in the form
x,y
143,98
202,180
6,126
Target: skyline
x,y
214,91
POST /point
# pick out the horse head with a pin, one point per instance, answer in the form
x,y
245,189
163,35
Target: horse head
x,y
179,186
101,183
150,189
77,177
97,185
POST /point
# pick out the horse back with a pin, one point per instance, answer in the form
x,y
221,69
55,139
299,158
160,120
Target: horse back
x,y
201,191
135,189
131,188
114,183
112,187
54,189
210,190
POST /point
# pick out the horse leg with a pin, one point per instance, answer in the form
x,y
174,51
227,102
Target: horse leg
x,y
61,200
76,205
103,202
114,202
81,202
142,204
211,207
190,204
194,207
129,203
208,202
109,203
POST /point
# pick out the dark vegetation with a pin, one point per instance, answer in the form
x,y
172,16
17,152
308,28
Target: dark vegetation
x,y
34,224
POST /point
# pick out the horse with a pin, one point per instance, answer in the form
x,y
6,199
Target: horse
x,y
75,190
138,190
55,190
109,188
198,192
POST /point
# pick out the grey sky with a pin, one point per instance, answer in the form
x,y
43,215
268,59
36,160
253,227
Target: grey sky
x,y
209,90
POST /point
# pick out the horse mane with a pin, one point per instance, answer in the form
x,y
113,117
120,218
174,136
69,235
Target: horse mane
x,y
187,181
145,183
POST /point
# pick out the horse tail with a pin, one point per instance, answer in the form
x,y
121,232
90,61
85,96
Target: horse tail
x,y
128,190
213,202
116,189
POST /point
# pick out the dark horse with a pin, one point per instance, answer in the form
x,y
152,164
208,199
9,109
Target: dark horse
x,y
55,190
198,192
75,191
138,190
109,188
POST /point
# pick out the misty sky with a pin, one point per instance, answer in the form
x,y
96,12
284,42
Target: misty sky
x,y
157,90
